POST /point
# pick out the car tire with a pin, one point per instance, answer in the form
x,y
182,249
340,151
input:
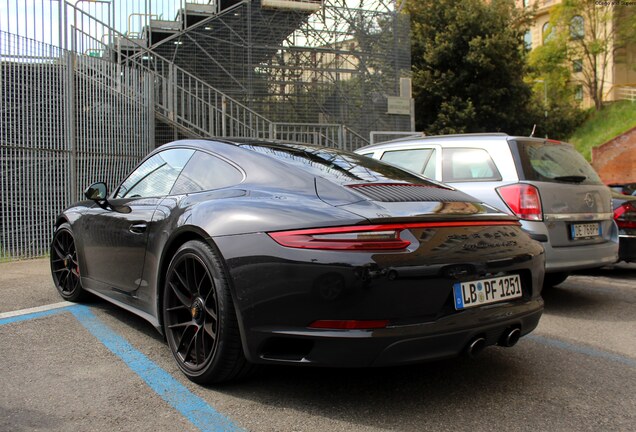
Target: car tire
x,y
65,265
552,279
199,319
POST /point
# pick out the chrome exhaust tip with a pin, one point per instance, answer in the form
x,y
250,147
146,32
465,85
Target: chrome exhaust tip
x,y
510,337
476,346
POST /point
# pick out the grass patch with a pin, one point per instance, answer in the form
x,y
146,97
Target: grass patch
x,y
8,258
602,126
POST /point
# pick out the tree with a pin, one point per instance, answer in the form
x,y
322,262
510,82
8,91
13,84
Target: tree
x,y
551,77
468,62
589,34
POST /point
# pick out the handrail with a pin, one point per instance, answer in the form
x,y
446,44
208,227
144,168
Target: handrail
x,y
187,102
150,53
626,92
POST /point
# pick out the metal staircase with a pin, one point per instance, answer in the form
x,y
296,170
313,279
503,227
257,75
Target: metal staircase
x,y
189,103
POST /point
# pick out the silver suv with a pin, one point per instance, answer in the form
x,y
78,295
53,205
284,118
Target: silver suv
x,y
554,191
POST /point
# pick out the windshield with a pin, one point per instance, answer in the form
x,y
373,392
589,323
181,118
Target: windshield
x,y
552,162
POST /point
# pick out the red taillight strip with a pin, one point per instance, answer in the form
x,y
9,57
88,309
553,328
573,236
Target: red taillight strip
x,y
349,324
363,185
302,239
621,213
397,226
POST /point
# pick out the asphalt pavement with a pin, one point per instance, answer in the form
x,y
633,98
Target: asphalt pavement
x,y
95,367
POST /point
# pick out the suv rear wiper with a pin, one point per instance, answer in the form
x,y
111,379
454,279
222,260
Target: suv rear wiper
x,y
571,178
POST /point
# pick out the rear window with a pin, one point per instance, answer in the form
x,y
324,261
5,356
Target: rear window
x,y
551,162
336,165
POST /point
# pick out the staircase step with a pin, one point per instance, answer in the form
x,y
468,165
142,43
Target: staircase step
x,y
200,9
165,26
299,5
130,45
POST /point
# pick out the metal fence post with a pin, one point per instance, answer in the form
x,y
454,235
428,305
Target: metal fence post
x,y
172,96
223,116
149,79
71,138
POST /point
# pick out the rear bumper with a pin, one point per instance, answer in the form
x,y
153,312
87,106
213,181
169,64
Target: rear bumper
x,y
445,338
571,258
279,292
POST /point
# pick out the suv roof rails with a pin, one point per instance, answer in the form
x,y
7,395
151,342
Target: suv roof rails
x,y
425,137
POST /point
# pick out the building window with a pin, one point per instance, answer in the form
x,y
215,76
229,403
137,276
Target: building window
x,y
578,93
577,65
527,40
547,33
577,27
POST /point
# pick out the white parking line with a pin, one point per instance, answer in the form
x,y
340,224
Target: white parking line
x,y
35,309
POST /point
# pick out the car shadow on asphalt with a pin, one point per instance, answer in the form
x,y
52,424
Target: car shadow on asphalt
x,y
123,316
566,300
620,270
383,397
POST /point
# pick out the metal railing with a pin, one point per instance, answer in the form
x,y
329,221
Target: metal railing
x,y
65,121
626,93
191,104
35,18
384,136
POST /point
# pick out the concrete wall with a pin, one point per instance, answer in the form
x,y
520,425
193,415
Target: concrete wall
x,y
615,161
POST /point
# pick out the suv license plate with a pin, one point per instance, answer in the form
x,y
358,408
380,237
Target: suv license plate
x,y
582,231
485,291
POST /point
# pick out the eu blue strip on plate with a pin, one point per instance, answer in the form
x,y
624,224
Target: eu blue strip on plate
x,y
459,300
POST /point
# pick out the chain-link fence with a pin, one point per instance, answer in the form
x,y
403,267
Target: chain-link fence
x,y
88,87
65,121
336,66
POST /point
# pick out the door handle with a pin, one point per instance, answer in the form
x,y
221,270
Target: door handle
x,y
138,228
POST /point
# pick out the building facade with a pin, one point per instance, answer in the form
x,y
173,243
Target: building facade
x,y
618,77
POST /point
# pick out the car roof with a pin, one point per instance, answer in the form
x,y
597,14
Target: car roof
x,y
210,143
471,137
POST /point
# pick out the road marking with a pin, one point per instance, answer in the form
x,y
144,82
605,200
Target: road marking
x,y
35,309
582,349
192,407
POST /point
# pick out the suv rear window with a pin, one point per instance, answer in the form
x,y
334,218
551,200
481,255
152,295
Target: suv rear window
x,y
552,162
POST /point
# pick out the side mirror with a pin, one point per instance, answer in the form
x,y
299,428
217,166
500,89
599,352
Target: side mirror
x,y
96,192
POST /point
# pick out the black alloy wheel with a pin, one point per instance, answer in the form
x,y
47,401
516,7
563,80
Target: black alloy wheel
x,y
199,318
65,264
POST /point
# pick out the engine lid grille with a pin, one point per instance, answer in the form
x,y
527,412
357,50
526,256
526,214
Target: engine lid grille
x,y
407,192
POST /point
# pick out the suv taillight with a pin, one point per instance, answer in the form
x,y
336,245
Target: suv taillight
x,y
523,200
625,216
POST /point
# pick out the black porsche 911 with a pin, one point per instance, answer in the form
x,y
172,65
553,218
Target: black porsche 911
x,y
247,252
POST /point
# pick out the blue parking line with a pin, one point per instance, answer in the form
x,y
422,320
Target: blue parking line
x,y
192,407
582,349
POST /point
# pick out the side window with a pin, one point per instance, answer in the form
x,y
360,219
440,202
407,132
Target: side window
x,y
430,170
156,176
206,172
421,161
468,164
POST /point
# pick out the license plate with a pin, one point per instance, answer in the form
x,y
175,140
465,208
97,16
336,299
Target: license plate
x,y
588,230
485,291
